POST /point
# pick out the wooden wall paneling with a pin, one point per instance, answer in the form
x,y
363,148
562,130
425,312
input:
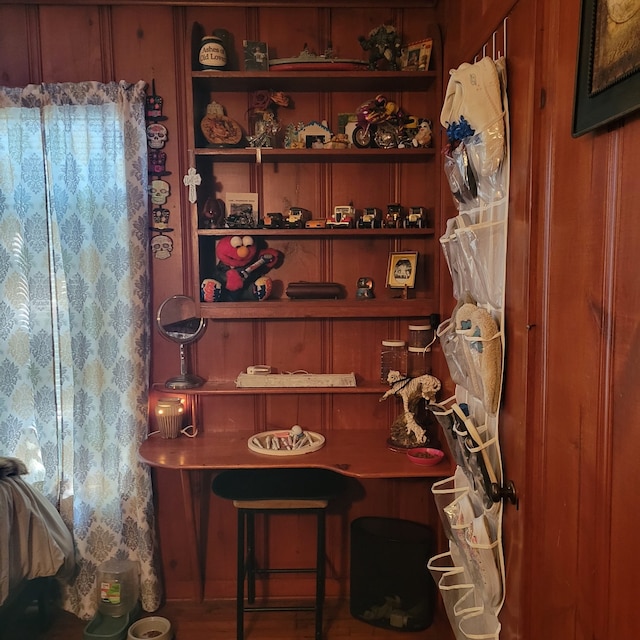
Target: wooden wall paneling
x,y
570,302
75,59
145,51
19,46
616,499
130,40
286,31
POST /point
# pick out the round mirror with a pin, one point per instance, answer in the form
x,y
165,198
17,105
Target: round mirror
x,y
177,321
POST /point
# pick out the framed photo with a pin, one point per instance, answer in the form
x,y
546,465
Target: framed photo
x,y
256,55
242,211
416,56
608,70
315,141
401,271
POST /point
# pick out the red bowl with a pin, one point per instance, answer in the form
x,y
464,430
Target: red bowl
x,y
425,456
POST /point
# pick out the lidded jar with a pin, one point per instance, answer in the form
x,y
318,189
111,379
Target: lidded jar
x,y
419,350
393,357
212,53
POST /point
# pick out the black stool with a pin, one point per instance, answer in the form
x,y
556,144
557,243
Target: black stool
x,y
277,491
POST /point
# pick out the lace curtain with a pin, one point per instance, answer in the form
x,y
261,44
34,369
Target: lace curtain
x,y
74,317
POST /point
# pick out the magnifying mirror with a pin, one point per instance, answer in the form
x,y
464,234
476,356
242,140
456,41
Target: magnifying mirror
x,y
177,321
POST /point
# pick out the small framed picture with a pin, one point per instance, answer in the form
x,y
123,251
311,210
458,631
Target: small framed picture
x,y
401,272
315,142
256,56
242,211
416,56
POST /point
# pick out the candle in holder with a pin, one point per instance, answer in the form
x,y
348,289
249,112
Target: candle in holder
x,y
169,413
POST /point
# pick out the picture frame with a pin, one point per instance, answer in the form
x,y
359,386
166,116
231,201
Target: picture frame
x,y
607,83
242,211
256,55
401,271
416,56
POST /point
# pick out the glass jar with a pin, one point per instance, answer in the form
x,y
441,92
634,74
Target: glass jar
x,y
420,335
419,349
418,361
393,357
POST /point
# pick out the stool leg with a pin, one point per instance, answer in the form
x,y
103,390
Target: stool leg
x,y
320,575
251,558
240,577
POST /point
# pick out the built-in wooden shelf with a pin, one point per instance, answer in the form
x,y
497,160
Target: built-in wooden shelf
x,y
265,154
325,80
285,309
228,387
320,233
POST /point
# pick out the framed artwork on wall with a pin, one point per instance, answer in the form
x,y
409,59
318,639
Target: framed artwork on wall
x,y
608,69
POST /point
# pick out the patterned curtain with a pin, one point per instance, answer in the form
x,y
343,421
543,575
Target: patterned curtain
x,y
74,317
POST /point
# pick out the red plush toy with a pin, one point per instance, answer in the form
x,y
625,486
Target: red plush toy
x,y
239,272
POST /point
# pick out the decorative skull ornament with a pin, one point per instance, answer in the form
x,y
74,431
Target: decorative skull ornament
x,y
160,191
157,162
160,218
157,135
161,246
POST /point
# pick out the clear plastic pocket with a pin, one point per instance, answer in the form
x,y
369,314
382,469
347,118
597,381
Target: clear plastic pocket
x,y
481,251
456,354
456,589
480,626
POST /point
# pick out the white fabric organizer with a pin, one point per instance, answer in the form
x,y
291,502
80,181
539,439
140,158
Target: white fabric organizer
x,y
471,575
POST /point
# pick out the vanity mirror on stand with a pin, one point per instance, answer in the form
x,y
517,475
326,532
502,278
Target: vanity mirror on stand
x,y
177,321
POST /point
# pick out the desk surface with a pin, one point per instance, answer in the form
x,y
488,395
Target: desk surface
x,y
356,453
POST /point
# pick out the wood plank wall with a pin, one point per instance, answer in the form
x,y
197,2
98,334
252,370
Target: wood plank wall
x,y
75,41
569,436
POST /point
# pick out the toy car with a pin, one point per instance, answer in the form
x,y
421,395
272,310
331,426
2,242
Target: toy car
x,y
394,218
416,218
316,223
343,216
371,218
296,218
273,220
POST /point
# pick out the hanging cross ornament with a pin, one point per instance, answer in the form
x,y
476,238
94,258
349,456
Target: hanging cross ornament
x,y
192,180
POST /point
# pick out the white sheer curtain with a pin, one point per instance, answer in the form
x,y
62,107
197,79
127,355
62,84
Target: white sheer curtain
x,y
74,316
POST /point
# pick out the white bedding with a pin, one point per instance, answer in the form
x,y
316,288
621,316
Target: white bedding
x,y
34,541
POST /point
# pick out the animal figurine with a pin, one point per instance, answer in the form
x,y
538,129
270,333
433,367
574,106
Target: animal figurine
x,y
423,135
384,47
425,387
240,271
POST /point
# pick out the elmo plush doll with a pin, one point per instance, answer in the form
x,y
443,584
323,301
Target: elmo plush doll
x,y
240,271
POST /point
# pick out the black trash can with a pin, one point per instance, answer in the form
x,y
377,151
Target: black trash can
x,y
390,584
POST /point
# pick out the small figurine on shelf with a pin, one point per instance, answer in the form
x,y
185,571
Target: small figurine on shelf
x,y
384,47
240,271
410,428
213,213
423,136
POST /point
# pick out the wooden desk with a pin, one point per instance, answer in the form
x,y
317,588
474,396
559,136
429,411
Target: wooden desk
x,y
355,453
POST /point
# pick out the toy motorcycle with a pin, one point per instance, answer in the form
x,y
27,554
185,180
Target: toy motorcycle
x,y
381,123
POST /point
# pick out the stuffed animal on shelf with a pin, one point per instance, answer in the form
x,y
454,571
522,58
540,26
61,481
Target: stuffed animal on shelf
x,y
240,271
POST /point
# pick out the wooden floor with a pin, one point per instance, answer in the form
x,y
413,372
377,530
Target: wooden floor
x,y
216,621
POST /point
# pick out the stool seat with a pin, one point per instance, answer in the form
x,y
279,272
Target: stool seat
x,y
278,484
276,491
280,504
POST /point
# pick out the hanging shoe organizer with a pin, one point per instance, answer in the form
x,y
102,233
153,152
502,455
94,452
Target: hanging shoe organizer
x,y
471,575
